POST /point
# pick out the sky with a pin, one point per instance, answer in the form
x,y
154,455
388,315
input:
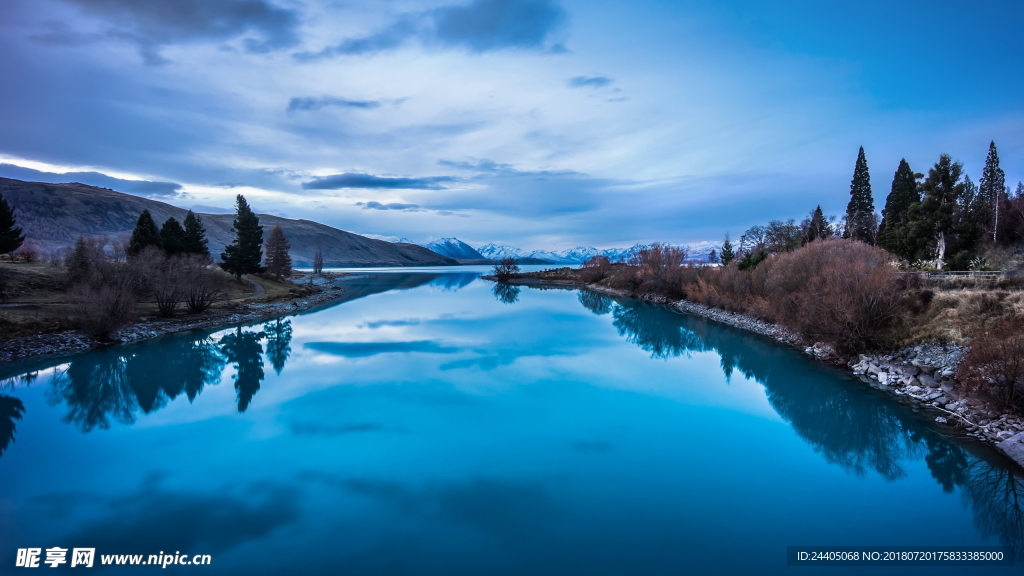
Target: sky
x,y
544,124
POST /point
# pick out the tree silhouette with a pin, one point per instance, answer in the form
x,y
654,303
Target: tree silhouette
x,y
506,293
279,338
595,302
243,349
11,409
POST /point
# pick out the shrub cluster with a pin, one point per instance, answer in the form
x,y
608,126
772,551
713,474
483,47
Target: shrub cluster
x,y
994,366
838,291
105,287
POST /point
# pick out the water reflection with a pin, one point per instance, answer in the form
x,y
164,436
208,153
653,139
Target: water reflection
x,y
243,349
595,302
454,281
849,424
11,409
506,293
279,338
115,384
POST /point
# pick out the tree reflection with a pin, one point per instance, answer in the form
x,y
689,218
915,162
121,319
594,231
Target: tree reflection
x,y
648,327
11,409
243,349
994,492
595,302
113,384
506,293
279,339
850,425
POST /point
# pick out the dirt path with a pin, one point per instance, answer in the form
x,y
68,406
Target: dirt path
x,y
259,289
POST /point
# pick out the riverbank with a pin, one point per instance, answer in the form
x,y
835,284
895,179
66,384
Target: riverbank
x,y
247,309
919,374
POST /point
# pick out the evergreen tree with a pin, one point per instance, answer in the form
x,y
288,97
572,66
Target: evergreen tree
x,y
932,220
727,254
991,189
245,252
903,194
860,212
145,234
278,261
815,226
194,241
172,237
713,256
10,235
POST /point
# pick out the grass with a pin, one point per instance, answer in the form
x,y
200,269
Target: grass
x,y
35,298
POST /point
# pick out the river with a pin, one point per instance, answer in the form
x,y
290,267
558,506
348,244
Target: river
x,y
436,423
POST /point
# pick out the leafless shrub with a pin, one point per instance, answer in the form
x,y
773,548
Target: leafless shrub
x,y
594,269
994,366
660,268
200,286
30,251
101,307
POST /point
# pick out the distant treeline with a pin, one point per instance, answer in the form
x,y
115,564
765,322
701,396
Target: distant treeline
x,y
941,220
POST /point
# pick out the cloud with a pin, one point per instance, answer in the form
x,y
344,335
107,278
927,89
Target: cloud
x,y
356,180
480,26
374,205
589,81
478,165
310,103
152,25
100,180
366,349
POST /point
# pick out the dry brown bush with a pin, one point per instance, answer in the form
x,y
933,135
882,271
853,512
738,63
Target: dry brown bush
x,y
660,269
594,270
994,366
102,307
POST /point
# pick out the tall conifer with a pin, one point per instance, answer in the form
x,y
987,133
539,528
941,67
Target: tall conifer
x,y
194,241
245,252
991,189
278,261
902,195
933,218
172,236
145,234
10,234
860,212
727,254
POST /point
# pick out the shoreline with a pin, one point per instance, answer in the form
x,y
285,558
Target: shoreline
x,y
67,342
919,375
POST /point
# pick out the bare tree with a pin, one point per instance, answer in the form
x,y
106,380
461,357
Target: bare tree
x,y
505,269
200,286
278,260
318,261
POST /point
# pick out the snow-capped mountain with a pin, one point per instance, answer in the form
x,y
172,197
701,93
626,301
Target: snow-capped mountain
x,y
696,251
499,251
453,248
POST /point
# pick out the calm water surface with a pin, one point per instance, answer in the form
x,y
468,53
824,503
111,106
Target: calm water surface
x,y
438,424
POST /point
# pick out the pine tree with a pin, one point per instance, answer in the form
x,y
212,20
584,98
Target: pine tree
x,y
727,254
815,226
992,187
903,194
194,241
933,219
145,234
245,252
278,261
860,212
713,256
10,235
172,237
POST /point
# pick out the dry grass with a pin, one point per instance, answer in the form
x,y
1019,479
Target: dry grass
x,y
954,316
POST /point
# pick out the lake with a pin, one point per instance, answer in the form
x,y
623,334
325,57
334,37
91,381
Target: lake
x,y
436,423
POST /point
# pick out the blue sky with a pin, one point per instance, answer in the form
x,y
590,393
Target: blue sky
x,y
540,123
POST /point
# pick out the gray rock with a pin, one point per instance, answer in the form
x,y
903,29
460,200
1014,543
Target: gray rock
x,y
941,419
928,381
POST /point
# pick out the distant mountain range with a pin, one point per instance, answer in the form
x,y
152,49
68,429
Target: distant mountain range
x,y
55,215
454,248
696,251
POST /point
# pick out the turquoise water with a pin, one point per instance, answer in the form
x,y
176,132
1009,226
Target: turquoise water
x,y
436,423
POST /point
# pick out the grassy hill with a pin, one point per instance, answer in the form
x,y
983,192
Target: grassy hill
x,y
55,215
